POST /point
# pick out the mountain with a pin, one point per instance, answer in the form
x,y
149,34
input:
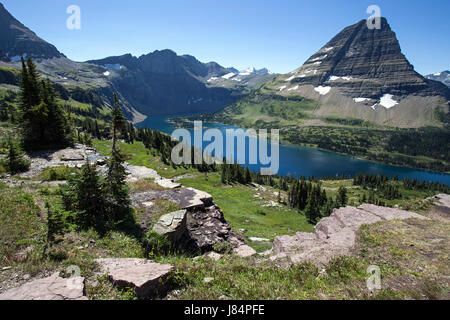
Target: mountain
x,y
443,77
17,40
156,83
162,82
359,74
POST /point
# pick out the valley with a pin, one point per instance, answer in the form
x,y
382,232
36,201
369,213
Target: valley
x,y
95,206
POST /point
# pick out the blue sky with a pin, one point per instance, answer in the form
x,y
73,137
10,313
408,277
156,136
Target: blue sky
x,y
277,34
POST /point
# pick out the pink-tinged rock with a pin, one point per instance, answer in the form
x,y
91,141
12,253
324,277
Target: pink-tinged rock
x,y
442,203
145,277
244,251
389,213
354,218
51,288
333,236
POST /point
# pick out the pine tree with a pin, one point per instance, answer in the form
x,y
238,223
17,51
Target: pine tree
x,y
342,196
247,176
15,160
118,192
85,195
44,123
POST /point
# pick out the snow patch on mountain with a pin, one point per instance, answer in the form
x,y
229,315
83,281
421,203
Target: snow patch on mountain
x,y
322,90
387,101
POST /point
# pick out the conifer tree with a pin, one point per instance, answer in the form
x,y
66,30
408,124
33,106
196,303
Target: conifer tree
x,y
15,160
118,192
342,196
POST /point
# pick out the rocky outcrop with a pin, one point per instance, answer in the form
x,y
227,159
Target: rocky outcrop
x,y
51,288
146,278
207,226
205,223
333,236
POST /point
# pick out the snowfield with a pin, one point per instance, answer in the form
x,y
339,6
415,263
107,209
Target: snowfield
x,y
322,90
360,99
229,75
387,101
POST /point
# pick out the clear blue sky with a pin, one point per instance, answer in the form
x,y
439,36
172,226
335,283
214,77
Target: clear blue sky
x,y
277,34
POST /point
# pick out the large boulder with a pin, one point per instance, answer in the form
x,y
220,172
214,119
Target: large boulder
x,y
207,227
148,279
172,225
51,288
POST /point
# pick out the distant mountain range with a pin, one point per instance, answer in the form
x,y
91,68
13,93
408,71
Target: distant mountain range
x,y
359,74
443,77
156,83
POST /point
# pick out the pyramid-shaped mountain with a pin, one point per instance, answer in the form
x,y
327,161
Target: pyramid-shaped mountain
x,y
359,74
363,63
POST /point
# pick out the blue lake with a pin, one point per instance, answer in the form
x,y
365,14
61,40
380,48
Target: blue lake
x,y
302,161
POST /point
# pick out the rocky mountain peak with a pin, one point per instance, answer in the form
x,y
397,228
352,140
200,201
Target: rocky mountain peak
x,y
16,40
443,77
363,63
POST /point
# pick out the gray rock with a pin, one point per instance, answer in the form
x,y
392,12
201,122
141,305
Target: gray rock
x,y
167,183
213,256
244,251
145,277
51,288
172,225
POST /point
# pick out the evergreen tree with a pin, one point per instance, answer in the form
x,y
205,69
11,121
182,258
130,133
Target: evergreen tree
x,y
85,195
44,123
117,188
247,176
15,160
342,197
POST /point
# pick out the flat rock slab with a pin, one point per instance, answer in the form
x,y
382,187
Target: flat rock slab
x,y
333,236
167,183
186,198
136,173
442,203
70,157
192,198
145,277
51,288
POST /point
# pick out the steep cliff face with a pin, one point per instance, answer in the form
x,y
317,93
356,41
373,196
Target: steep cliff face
x,y
17,40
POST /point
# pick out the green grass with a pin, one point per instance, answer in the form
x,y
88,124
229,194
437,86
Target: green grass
x,y
21,224
56,173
